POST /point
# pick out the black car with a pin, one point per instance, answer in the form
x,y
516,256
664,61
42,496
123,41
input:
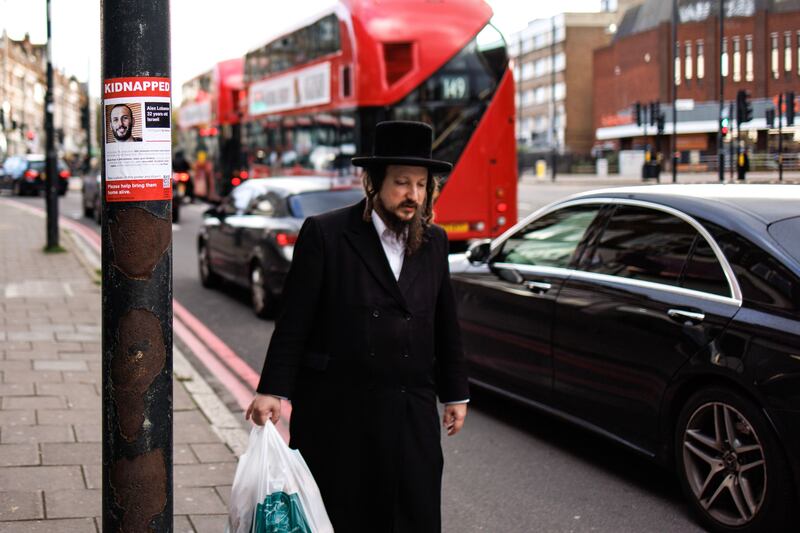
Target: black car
x,y
249,238
26,175
666,318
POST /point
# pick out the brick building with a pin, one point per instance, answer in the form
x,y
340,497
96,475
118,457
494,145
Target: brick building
x,y
760,53
23,83
552,59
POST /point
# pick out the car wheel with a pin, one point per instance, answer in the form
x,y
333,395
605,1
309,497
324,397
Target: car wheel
x,y
730,464
18,189
259,294
208,278
88,210
98,210
176,211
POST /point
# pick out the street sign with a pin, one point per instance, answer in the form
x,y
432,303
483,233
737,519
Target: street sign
x,y
684,104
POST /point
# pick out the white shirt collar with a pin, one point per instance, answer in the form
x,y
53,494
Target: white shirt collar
x,y
386,235
393,248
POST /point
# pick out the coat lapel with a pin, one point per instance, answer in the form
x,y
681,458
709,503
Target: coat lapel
x,y
364,240
412,264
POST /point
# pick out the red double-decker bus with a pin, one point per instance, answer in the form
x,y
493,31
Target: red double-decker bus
x,y
209,128
315,94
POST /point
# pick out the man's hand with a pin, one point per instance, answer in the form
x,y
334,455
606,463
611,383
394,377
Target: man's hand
x,y
454,415
264,407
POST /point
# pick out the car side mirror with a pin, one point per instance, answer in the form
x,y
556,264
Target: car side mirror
x,y
479,252
264,208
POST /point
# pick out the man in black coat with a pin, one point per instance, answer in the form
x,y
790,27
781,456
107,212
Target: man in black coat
x,y
368,338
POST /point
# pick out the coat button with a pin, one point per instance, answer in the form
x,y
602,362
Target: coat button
x,y
408,317
402,389
405,355
372,354
376,313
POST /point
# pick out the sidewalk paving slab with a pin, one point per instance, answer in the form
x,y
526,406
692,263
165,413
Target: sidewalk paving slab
x,y
50,401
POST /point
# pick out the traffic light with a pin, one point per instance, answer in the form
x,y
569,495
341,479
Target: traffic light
x,y
655,111
789,108
744,109
725,124
637,113
770,116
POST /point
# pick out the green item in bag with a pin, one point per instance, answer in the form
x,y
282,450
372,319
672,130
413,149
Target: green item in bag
x,y
280,513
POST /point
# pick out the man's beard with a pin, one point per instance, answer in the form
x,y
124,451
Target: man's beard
x,y
125,136
406,231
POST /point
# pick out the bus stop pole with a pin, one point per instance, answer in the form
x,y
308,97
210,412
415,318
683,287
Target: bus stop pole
x,y
137,483
51,182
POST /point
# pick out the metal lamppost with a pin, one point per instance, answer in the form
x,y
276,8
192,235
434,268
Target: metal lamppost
x,y
720,152
674,141
51,185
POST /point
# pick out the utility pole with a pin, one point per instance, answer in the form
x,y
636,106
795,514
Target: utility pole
x,y
51,185
780,137
553,129
730,144
674,140
720,151
137,266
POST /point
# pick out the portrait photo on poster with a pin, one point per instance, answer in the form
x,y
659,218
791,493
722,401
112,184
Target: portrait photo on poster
x,y
124,122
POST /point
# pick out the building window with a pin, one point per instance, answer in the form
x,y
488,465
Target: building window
x,y
527,71
737,59
701,61
677,68
787,53
687,64
748,58
774,57
561,91
724,58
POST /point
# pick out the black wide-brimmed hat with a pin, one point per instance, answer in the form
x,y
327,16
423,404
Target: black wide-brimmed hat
x,y
403,142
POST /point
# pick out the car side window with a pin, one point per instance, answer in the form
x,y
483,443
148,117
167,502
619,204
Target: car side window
x,y
704,272
550,240
643,244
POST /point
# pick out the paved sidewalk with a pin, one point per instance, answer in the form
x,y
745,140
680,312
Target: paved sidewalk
x,y
50,383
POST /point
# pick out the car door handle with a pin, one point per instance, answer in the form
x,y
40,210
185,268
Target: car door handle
x,y
538,286
680,315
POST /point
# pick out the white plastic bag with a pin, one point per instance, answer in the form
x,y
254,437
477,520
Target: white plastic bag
x,y
273,490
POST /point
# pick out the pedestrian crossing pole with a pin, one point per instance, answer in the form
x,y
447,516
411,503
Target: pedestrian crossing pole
x,y
137,266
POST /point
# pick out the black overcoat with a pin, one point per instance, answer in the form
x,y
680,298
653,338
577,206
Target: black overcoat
x,y
362,357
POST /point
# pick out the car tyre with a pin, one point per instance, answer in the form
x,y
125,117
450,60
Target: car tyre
x,y
98,210
731,466
176,212
208,278
18,191
259,293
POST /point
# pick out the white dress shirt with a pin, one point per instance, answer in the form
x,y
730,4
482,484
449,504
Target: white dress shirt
x,y
393,247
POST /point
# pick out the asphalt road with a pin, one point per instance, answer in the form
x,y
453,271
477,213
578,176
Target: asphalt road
x,y
511,469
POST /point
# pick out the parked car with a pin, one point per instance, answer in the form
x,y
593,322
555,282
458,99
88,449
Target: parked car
x,y
26,175
249,238
92,199
666,318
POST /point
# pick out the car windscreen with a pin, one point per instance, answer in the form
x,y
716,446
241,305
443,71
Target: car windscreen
x,y
313,203
38,166
785,232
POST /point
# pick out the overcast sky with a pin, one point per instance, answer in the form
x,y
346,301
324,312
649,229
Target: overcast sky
x,y
207,31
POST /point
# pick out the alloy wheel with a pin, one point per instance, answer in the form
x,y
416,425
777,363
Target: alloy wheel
x,y
724,463
257,292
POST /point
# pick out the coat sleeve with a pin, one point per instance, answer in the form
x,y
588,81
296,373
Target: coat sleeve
x,y
301,296
451,378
